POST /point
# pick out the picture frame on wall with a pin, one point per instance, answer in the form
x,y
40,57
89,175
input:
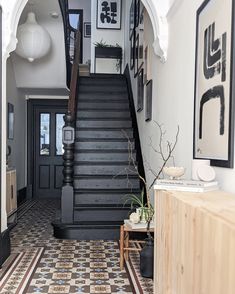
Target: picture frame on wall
x,y
148,108
136,52
137,12
109,14
87,29
146,65
140,31
214,83
132,52
132,19
10,121
140,100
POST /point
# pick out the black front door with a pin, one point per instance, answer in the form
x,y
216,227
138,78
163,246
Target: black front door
x,y
48,148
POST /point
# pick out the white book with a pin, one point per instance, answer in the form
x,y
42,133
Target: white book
x,y
188,183
138,226
186,188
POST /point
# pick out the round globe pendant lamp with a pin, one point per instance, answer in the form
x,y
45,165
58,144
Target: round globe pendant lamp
x,y
34,42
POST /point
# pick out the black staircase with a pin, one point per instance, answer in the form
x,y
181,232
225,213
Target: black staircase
x,y
100,158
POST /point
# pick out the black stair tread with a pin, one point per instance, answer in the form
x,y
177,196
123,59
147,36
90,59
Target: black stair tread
x,y
102,206
124,162
101,151
103,176
123,191
103,139
98,224
121,119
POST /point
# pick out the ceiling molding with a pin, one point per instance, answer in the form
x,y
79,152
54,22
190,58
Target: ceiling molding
x,y
160,29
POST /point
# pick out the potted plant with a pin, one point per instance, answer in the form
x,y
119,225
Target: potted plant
x,y
145,207
104,50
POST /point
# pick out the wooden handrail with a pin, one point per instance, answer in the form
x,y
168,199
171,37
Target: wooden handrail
x,y
75,77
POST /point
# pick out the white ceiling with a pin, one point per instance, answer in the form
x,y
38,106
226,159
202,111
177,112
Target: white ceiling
x,y
50,71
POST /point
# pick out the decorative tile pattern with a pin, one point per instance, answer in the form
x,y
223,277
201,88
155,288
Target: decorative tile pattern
x,y
68,266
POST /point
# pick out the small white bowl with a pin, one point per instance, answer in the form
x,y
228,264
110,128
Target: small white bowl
x,y
174,172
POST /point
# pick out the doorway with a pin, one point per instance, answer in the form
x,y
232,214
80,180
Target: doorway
x,y
45,148
75,23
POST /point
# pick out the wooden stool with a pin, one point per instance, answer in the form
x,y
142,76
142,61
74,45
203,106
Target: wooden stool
x,y
125,241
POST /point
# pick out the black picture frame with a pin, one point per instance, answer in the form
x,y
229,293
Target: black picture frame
x,y
137,13
140,99
132,19
140,31
214,84
146,56
87,29
136,65
109,25
132,51
148,106
10,121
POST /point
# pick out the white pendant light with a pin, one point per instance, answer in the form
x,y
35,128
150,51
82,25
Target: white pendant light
x,y
34,42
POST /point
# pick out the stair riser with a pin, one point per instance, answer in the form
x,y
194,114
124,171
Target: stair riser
x,y
104,82
112,170
106,184
102,88
86,233
103,124
103,114
101,215
104,105
107,157
101,145
103,134
102,97
96,198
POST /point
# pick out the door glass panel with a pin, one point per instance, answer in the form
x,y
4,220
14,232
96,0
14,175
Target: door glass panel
x,y
44,134
59,127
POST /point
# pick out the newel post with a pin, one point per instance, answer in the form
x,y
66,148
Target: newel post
x,y
67,197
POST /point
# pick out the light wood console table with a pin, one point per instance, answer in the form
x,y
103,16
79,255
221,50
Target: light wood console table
x,y
194,243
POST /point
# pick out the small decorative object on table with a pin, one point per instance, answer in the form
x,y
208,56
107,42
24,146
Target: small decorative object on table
x,y
174,172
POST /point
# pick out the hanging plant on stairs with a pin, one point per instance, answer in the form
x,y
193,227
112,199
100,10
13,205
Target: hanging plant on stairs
x,y
143,204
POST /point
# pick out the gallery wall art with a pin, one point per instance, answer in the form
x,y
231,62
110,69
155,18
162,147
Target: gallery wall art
x,y
214,83
109,14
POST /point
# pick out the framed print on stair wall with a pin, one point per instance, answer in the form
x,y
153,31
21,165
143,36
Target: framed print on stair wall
x,y
214,83
109,14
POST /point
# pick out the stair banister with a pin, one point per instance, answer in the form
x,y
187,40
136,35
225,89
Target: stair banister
x,y
67,197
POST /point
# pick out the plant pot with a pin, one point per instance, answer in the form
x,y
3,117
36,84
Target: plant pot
x,y
146,259
145,214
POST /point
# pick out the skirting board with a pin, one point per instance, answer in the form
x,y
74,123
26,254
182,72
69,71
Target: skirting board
x,y
5,246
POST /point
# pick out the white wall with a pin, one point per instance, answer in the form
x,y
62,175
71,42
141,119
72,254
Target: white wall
x,y
111,37
173,92
85,5
18,147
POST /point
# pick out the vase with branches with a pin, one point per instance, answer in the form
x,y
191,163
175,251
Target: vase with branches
x,y
165,153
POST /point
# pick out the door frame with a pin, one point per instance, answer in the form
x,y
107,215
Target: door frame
x,y
32,105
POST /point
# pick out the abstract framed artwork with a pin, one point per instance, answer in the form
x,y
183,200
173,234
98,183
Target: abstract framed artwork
x,y
140,30
148,108
132,19
140,100
214,83
109,14
10,121
136,65
132,52
87,29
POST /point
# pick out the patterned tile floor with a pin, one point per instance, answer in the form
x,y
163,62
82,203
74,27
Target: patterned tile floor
x,y
67,266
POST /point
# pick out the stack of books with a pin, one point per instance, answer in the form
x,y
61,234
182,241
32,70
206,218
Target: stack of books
x,y
186,185
137,226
